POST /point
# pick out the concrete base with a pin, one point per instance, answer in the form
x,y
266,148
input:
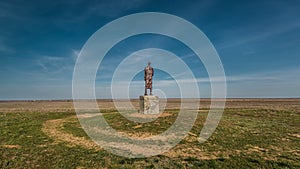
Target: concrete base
x,y
149,104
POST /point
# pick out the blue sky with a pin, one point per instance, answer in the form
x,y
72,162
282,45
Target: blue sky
x,y
257,41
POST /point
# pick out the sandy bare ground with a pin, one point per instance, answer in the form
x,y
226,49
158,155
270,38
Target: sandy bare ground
x,y
67,105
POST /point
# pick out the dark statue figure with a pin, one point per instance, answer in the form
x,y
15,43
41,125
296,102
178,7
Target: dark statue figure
x,y
149,72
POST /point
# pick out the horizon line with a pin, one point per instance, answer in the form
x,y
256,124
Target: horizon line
x,y
70,99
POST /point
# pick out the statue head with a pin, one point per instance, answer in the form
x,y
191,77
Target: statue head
x,y
149,63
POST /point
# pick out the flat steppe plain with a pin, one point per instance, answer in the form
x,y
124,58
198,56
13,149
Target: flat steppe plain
x,y
253,133
173,103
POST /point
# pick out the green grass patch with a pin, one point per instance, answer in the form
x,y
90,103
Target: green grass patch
x,y
244,138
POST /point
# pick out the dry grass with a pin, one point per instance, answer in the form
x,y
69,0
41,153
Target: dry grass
x,y
253,133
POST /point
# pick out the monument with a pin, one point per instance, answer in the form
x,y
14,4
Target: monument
x,y
149,104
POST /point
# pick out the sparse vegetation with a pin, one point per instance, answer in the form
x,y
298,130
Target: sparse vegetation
x,y
245,138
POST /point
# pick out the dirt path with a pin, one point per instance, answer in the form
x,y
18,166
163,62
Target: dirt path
x,y
53,129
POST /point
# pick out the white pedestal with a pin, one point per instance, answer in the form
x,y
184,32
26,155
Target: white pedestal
x,y
149,104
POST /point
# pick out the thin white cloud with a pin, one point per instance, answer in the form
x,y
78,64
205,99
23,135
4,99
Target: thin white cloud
x,y
53,63
48,70
75,53
255,36
283,20
279,83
